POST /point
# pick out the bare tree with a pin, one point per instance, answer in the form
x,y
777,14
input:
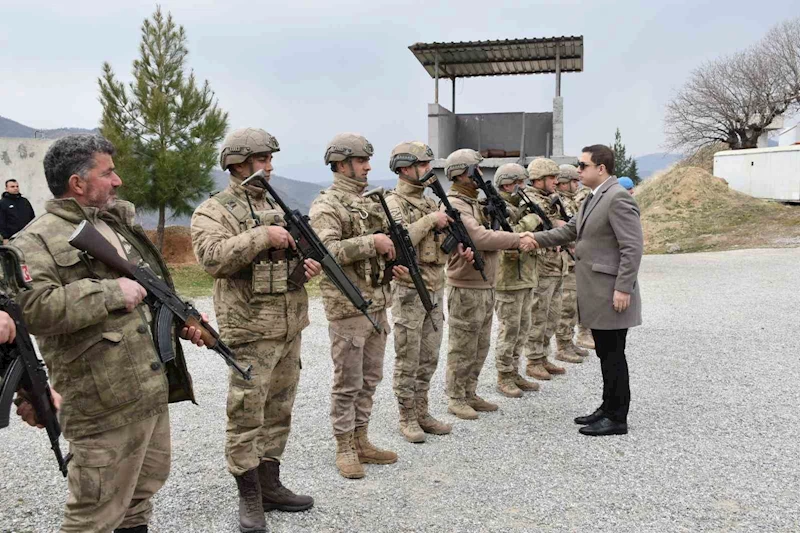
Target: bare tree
x,y
735,98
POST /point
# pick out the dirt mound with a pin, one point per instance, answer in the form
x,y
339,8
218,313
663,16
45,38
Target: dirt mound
x,y
687,209
703,158
177,245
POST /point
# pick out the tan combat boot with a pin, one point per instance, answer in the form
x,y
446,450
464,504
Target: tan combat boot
x,y
536,370
368,453
460,408
274,495
551,368
346,457
426,421
409,427
251,513
566,354
479,404
507,386
585,338
578,350
524,384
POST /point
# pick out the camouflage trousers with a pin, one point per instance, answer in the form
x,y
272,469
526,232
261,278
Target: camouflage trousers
x,y
546,314
470,313
357,352
113,475
260,410
514,309
569,307
416,344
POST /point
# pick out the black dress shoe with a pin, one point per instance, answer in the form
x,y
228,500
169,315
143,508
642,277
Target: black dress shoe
x,y
603,427
590,419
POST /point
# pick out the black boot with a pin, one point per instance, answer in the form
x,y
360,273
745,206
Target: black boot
x,y
274,495
135,529
251,514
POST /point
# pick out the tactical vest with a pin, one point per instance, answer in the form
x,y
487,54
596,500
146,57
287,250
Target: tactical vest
x,y
429,249
271,269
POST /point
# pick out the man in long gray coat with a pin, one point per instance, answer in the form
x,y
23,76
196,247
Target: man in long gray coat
x,y
608,253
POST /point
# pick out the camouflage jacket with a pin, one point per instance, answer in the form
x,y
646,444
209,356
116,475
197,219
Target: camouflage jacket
x,y
411,208
581,195
228,245
488,242
551,262
571,206
517,269
101,358
345,222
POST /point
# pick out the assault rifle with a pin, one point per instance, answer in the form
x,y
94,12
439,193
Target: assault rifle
x,y
406,255
167,305
311,247
495,206
456,231
556,200
534,208
21,370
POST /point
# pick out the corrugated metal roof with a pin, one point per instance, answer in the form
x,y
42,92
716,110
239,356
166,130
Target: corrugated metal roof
x,y
500,58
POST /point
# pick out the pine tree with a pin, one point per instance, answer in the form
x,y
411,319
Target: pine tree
x,y
624,165
165,127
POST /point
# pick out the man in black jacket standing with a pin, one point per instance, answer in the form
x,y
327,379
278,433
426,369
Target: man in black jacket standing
x,y
15,211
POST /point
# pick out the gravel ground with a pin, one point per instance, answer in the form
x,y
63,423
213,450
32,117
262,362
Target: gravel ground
x,y
713,442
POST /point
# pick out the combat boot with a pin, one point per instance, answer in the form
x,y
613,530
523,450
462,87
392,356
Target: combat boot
x,y
460,408
346,457
566,354
368,453
578,350
426,421
135,529
551,368
409,427
524,384
274,495
251,513
507,386
479,404
536,370
585,338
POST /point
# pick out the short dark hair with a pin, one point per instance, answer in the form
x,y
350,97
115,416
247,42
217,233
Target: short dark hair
x,y
73,154
601,155
12,180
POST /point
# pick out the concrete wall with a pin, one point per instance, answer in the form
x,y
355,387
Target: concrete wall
x,y
770,173
21,159
441,130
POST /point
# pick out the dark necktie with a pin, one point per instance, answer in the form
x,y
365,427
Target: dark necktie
x,y
588,201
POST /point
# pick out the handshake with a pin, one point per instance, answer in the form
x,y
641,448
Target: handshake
x,y
527,242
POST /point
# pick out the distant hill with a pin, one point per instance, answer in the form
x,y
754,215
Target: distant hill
x,y
10,128
651,163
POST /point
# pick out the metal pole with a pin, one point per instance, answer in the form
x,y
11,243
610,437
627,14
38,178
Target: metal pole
x,y
454,94
436,77
558,68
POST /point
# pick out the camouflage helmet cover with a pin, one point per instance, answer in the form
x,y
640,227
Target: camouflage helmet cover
x,y
346,145
244,142
408,153
457,162
541,167
509,173
567,173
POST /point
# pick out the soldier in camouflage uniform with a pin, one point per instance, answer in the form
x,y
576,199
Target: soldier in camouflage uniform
x,y
470,299
93,331
417,336
516,288
566,188
584,338
239,238
551,268
349,225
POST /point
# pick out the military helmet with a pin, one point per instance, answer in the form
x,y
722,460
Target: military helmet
x,y
242,143
408,153
541,167
346,145
509,173
567,173
457,162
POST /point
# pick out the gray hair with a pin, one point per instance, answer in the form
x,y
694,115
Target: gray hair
x,y
73,154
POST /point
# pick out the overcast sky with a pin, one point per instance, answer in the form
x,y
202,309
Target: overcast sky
x,y
307,70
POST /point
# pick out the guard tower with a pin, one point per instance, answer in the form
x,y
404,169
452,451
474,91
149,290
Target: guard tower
x,y
516,137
